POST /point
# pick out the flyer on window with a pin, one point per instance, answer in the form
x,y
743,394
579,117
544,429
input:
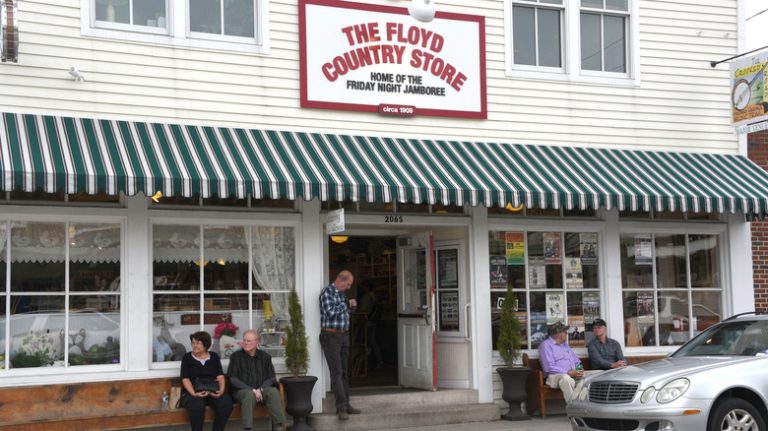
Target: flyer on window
x,y
645,307
539,331
576,331
552,248
555,308
515,245
537,273
574,278
643,249
591,303
499,274
588,248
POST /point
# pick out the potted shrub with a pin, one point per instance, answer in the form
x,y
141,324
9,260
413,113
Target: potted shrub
x,y
514,377
298,386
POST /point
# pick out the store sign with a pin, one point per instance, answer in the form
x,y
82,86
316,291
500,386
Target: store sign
x,y
335,222
748,95
376,58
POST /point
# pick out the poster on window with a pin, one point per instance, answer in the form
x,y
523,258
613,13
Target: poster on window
x,y
588,248
499,274
515,245
538,328
576,331
552,248
591,305
643,249
573,275
645,307
449,311
555,308
537,273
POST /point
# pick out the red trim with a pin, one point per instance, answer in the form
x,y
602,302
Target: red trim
x,y
306,103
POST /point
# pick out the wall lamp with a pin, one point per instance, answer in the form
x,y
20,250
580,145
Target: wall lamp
x,y
76,75
422,10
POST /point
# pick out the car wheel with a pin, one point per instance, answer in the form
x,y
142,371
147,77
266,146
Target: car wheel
x,y
735,414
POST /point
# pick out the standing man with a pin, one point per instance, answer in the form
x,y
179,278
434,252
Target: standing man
x,y
335,311
604,353
252,376
560,364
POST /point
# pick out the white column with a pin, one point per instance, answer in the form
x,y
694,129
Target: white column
x,y
739,258
480,297
137,295
312,270
611,309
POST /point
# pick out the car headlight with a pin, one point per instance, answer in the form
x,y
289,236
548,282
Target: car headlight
x,y
672,390
577,389
647,395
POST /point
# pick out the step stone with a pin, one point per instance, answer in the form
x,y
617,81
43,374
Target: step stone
x,y
404,399
382,418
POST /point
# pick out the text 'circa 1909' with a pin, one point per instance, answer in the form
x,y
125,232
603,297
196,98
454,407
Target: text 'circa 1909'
x,y
394,44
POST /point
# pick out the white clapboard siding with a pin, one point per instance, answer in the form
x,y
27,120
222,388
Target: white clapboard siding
x,y
680,104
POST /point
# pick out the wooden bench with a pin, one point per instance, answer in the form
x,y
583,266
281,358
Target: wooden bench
x,y
539,393
125,404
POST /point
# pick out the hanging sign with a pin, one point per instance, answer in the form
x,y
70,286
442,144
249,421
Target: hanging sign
x,y
335,222
376,58
748,97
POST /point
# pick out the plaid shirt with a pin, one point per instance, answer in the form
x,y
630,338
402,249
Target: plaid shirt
x,y
334,312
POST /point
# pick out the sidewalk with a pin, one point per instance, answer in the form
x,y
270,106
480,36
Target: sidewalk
x,y
551,423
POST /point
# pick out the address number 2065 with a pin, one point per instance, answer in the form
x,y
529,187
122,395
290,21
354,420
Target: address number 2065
x,y
393,219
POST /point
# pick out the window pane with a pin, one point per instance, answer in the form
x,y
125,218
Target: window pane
x,y
447,289
497,301
268,323
176,257
94,330
622,5
706,310
596,4
590,42
639,319
238,18
670,261
37,256
549,38
636,264
205,16
551,1
37,331
615,46
113,11
705,266
523,36
94,255
226,251
673,318
149,12
576,320
175,317
538,319
274,264
226,318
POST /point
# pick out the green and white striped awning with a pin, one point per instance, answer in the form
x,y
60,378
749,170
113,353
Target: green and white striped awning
x,y
106,156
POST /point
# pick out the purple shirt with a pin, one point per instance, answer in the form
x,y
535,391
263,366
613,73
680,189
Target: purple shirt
x,y
556,358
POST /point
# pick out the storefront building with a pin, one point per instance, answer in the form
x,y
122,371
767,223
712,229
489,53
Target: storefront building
x,y
590,171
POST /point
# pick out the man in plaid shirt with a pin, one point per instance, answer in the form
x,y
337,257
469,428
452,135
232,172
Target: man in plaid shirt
x,y
335,310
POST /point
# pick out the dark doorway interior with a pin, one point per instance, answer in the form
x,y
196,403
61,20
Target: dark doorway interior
x,y
373,331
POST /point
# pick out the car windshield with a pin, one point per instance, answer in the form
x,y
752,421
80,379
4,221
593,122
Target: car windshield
x,y
736,338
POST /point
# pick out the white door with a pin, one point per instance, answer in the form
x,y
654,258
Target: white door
x,y
416,312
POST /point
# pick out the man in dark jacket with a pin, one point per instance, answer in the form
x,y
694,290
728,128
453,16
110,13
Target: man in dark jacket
x,y
604,353
252,375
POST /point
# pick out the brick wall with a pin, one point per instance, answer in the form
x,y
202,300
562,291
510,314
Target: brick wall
x,y
758,153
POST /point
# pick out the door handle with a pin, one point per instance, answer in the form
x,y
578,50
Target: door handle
x,y
466,321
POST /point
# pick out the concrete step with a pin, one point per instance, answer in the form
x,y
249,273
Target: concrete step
x,y
384,418
397,398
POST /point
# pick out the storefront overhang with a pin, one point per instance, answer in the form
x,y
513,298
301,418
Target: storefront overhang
x,y
106,156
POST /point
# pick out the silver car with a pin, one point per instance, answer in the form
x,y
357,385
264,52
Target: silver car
x,y
716,381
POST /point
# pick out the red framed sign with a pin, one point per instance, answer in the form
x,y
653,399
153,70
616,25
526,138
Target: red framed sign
x,y
364,57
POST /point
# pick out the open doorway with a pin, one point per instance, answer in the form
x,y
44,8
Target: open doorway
x,y
373,327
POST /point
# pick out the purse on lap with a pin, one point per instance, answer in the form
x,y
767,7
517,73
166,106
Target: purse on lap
x,y
205,384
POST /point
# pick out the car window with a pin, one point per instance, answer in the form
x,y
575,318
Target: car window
x,y
737,338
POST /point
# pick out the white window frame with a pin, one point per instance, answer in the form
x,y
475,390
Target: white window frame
x,y
538,6
571,47
177,33
602,13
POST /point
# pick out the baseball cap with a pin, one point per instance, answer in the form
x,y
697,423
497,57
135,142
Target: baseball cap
x,y
599,322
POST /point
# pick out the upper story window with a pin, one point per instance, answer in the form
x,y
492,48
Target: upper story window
x,y
537,32
235,25
586,40
603,25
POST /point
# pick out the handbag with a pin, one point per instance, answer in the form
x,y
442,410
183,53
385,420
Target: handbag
x,y
203,384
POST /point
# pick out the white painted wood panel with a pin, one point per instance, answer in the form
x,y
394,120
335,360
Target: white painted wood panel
x,y
680,103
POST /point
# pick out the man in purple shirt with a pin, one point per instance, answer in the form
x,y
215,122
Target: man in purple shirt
x,y
560,364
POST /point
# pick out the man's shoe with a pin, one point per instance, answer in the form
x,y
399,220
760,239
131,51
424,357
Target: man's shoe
x,y
353,411
343,415
283,426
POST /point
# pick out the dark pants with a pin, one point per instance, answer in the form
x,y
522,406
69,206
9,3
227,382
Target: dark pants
x,y
336,349
196,411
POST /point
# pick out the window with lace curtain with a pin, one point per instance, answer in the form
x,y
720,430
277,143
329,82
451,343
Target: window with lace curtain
x,y
222,279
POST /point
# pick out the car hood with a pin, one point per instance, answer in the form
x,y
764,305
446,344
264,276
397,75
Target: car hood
x,y
667,368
